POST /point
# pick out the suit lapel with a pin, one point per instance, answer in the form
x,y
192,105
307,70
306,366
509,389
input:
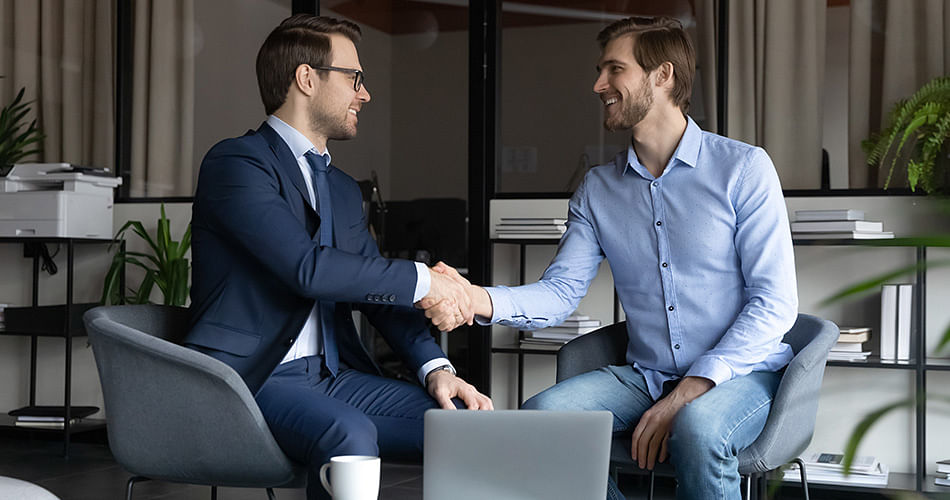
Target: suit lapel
x,y
286,161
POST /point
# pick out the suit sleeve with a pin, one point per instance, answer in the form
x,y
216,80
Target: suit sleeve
x,y
239,198
405,329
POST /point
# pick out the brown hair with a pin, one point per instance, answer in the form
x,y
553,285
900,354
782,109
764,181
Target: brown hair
x,y
658,40
299,39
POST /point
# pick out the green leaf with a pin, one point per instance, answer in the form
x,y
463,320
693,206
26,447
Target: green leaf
x,y
862,428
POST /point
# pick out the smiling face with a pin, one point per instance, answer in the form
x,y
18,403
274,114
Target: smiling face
x,y
334,108
623,86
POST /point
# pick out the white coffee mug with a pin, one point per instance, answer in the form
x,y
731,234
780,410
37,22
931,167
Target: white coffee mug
x,y
352,477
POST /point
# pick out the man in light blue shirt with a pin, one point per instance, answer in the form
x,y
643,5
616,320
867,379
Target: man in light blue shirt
x,y
695,229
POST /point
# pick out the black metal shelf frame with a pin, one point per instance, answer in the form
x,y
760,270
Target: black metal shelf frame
x,y
66,333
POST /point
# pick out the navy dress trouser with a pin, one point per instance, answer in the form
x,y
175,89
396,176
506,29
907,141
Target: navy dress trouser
x,y
314,417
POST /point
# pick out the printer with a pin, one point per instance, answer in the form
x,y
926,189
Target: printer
x,y
56,200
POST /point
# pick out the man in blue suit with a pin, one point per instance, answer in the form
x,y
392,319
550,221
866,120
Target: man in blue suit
x,y
282,257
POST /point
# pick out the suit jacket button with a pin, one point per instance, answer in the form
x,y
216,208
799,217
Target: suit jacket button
x,y
391,298
369,296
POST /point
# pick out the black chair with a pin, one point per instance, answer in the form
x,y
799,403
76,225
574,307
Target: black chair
x,y
791,422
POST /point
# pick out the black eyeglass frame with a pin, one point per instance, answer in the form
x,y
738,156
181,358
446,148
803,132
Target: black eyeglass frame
x,y
357,82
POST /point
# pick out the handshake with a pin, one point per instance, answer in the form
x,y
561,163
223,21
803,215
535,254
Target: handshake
x,y
452,300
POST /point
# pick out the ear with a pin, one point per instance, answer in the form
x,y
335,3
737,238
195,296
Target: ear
x,y
304,79
664,75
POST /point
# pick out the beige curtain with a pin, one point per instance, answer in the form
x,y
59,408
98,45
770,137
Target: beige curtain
x,y
163,98
776,74
896,47
706,45
61,51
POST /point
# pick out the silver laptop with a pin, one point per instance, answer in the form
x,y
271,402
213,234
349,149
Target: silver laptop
x,y
516,455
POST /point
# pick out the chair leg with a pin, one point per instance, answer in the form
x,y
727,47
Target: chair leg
x,y
131,483
652,476
270,494
214,493
747,494
801,467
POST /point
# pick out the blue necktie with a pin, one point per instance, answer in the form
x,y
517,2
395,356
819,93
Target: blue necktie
x,y
318,164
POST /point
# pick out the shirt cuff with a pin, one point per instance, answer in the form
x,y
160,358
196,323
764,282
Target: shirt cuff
x,y
423,282
500,304
711,368
429,366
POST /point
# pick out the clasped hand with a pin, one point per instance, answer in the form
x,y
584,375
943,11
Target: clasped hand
x,y
449,303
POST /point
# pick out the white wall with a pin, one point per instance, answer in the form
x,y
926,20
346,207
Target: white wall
x,y
847,393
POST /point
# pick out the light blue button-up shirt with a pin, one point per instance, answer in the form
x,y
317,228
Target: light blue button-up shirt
x,y
701,257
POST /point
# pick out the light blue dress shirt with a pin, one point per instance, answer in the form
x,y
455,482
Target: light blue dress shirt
x,y
308,342
701,257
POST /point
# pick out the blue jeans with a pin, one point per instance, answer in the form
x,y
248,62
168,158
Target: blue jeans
x,y
706,436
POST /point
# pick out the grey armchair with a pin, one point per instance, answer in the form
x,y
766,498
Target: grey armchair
x,y
178,415
791,422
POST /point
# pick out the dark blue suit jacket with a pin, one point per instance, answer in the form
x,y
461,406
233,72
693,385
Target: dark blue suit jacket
x,y
257,267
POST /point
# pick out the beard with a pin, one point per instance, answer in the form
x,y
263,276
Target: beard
x,y
335,126
634,109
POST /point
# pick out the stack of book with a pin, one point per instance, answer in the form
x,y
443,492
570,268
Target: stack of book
x,y
850,345
943,473
896,313
572,327
839,224
826,468
531,227
49,417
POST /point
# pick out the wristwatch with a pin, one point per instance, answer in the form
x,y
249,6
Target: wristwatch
x,y
447,368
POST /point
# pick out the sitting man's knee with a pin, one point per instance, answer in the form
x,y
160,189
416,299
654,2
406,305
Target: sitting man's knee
x,y
349,436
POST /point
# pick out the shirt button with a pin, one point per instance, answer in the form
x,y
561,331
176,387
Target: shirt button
x,y
655,184
658,223
671,308
664,264
677,346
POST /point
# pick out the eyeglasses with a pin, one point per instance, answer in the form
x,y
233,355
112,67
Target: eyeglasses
x,y
358,74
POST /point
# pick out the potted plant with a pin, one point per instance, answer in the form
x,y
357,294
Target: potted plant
x,y
16,137
165,265
917,133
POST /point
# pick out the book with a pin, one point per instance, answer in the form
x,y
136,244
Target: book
x,y
833,214
533,220
876,477
528,235
854,337
905,294
849,235
46,425
888,322
848,356
531,229
847,347
53,411
837,226
580,322
575,330
819,461
942,481
943,466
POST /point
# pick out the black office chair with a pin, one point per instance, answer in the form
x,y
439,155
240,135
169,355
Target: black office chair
x,y
791,421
